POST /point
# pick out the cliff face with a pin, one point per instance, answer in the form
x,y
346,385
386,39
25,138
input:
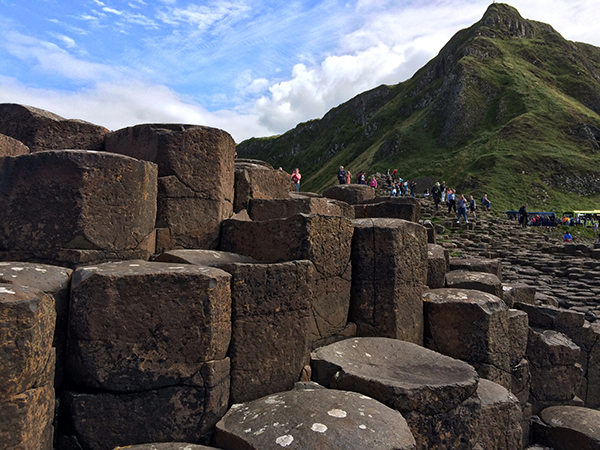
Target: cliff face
x,y
508,107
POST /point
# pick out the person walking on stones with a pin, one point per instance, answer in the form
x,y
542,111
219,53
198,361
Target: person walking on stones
x,y
296,178
462,208
341,175
473,207
373,182
388,179
485,202
443,190
523,215
436,193
451,202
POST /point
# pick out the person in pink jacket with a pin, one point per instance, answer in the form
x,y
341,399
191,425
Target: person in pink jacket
x,y
373,182
296,178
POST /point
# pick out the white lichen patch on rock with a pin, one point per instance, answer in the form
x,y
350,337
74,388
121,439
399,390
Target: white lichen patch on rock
x,y
340,414
4,290
284,441
319,427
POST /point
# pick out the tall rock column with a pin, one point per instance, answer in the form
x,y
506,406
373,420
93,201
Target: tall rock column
x,y
389,270
196,177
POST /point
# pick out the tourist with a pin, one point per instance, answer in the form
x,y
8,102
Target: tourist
x,y
388,179
413,188
296,178
373,182
341,175
523,215
462,208
485,202
426,193
567,237
348,177
436,193
451,200
473,207
443,190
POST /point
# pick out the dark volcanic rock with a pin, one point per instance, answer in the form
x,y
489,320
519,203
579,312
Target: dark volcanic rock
x,y
353,194
479,281
405,208
436,266
259,181
76,200
314,419
52,280
477,265
432,391
173,414
11,147
568,428
41,130
136,325
27,320
389,262
196,176
281,209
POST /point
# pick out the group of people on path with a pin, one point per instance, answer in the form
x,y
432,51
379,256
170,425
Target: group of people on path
x,y
345,177
457,203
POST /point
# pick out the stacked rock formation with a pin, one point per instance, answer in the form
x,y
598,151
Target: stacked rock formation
x,y
135,301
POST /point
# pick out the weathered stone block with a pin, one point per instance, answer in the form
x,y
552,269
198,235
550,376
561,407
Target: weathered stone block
x,y
500,418
479,281
11,147
492,266
555,373
27,320
435,393
42,130
568,428
172,414
54,281
136,325
353,194
76,201
259,181
280,209
270,327
488,338
26,419
389,261
518,293
436,266
314,419
389,209
196,176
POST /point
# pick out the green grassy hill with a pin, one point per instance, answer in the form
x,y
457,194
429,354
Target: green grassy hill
x,y
508,108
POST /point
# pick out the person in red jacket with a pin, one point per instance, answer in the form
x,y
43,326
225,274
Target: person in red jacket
x,y
296,178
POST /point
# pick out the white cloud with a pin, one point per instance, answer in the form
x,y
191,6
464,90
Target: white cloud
x,y
66,40
112,11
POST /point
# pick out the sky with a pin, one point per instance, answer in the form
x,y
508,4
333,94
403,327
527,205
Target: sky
x,y
250,67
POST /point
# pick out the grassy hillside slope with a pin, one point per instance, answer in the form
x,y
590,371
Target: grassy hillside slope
x,y
508,107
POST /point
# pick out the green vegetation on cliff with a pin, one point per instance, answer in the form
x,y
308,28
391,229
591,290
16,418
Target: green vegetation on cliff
x,y
508,107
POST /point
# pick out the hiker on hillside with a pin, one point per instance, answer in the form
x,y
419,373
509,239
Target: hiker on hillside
x,y
485,202
296,178
373,182
462,208
523,215
388,178
436,193
473,207
451,202
341,175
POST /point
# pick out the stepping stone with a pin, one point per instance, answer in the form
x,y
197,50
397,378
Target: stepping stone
x,y
166,446
352,194
280,209
314,419
436,266
518,293
259,180
434,392
568,428
479,281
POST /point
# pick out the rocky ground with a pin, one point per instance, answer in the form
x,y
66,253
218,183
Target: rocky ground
x,y
564,274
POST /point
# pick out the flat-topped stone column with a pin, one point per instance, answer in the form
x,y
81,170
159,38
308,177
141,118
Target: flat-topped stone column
x,y
435,393
69,207
196,177
389,261
478,328
314,419
568,428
